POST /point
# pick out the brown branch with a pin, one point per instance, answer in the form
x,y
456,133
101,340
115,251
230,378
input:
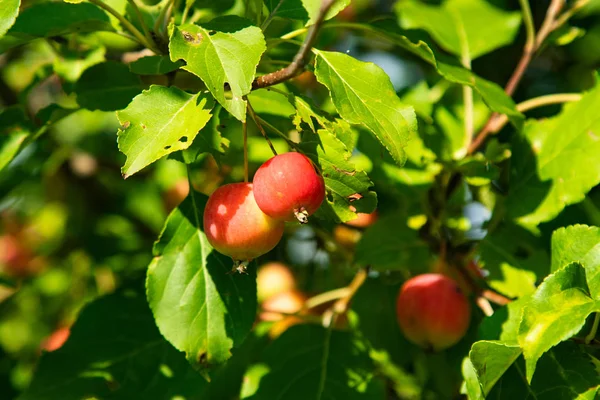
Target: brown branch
x,y
529,50
300,59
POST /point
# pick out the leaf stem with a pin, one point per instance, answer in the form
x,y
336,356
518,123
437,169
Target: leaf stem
x,y
138,13
531,46
300,59
278,132
260,128
590,336
126,24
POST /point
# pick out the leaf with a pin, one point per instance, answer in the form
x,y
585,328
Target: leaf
x,y
310,362
72,63
108,86
160,121
554,162
304,10
114,351
581,244
225,51
391,244
199,306
154,65
9,9
490,360
557,311
15,128
33,22
265,101
492,94
342,178
471,26
514,259
363,94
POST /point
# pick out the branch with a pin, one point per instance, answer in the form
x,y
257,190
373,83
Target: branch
x,y
300,59
532,44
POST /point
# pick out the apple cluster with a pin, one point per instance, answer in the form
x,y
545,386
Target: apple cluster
x,y
246,220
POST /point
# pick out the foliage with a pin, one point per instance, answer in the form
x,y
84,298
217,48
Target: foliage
x,y
468,130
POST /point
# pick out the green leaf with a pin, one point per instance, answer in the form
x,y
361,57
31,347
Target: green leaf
x,y
15,127
72,63
9,9
310,362
265,101
304,10
391,244
198,305
34,22
160,121
154,65
114,351
108,86
514,259
557,311
471,26
554,162
490,360
342,178
225,51
492,94
363,94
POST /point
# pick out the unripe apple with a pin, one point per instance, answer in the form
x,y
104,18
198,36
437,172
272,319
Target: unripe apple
x,y
432,311
272,279
235,226
287,187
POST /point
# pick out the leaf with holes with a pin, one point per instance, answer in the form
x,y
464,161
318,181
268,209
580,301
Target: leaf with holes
x,y
199,306
224,53
160,121
363,94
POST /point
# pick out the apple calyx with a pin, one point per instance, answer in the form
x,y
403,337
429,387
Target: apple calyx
x,y
301,215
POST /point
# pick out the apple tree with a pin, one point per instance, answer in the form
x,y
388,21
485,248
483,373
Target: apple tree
x,y
299,199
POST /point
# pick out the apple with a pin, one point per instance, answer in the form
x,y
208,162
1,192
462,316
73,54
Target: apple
x,y
277,307
362,220
287,187
56,339
272,279
176,194
235,226
15,258
432,311
346,237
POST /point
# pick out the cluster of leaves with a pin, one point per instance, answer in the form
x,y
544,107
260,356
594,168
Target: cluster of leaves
x,y
179,84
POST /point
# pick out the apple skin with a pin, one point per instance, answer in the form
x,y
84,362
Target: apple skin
x,y
287,185
235,226
363,220
56,339
272,279
432,311
289,302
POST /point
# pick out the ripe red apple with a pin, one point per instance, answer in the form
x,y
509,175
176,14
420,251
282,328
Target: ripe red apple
x,y
235,226
272,279
287,187
432,311
56,339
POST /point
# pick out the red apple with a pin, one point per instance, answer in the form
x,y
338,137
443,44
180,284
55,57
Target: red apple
x,y
363,220
235,226
432,311
272,279
287,187
56,339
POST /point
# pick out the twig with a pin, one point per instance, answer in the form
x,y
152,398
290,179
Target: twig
x,y
300,59
495,297
532,44
260,128
341,306
560,21
126,24
530,104
326,297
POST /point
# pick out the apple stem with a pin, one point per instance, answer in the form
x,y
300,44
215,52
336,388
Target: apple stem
x,y
301,215
245,135
260,127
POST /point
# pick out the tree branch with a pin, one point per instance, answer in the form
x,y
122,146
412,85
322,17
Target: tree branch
x,y
532,44
300,59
